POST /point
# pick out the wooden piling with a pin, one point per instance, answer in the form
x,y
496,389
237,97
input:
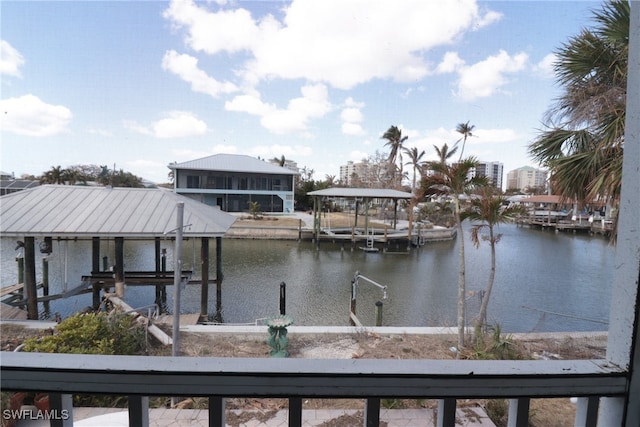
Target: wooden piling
x,y
20,261
204,283
219,277
283,298
379,313
119,246
30,278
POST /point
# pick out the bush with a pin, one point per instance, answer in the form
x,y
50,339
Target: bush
x,y
93,333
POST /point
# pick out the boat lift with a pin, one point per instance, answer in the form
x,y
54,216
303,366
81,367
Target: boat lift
x,y
353,319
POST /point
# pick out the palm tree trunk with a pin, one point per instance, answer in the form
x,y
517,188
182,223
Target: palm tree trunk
x,y
461,278
482,317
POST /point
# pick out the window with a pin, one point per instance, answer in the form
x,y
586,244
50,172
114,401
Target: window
x,y
193,181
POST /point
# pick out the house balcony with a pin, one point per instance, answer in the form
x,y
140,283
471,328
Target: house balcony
x,y
139,377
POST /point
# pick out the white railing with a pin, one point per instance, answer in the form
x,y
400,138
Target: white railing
x,y
218,378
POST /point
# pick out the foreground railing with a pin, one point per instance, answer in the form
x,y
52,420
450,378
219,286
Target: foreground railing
x,y
217,378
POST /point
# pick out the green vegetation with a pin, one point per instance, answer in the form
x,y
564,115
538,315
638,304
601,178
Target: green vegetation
x,y
452,180
82,174
583,141
93,333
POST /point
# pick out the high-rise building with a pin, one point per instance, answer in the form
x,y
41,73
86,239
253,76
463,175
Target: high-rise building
x,y
491,170
526,176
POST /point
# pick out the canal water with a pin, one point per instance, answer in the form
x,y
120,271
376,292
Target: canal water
x,y
544,281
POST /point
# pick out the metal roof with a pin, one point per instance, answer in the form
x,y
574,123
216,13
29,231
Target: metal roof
x,y
377,193
233,163
78,211
17,184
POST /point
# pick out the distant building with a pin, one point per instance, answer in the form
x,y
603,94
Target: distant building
x,y
492,170
363,174
8,186
524,177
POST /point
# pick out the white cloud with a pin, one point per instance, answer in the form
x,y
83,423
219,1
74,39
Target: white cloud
x,y
494,136
277,150
29,115
10,59
487,77
546,66
313,103
358,156
354,129
450,63
487,19
177,124
352,117
186,67
338,43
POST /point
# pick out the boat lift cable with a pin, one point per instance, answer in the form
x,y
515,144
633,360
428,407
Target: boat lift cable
x,y
571,316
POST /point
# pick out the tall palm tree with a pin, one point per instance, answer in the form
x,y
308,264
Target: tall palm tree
x,y
488,211
415,161
444,154
583,139
467,131
453,180
394,138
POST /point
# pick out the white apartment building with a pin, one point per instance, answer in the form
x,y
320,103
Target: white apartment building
x,y
526,176
492,170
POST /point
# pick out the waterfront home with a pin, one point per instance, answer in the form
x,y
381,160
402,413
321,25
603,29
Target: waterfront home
x,y
231,181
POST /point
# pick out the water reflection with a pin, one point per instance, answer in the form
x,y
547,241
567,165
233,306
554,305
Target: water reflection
x,y
538,274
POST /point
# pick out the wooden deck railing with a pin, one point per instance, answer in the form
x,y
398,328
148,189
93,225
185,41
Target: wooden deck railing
x,y
217,378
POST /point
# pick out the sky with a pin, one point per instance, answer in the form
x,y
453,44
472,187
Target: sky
x,y
140,84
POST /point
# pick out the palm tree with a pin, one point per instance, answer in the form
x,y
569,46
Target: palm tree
x,y
453,180
467,131
582,143
415,161
53,176
444,153
280,161
394,138
489,211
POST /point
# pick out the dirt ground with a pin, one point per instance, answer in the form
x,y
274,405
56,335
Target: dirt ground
x,y
544,412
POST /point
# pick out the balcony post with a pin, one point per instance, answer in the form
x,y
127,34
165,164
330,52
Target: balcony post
x,y
139,411
446,413
518,412
217,412
623,346
587,412
62,406
372,412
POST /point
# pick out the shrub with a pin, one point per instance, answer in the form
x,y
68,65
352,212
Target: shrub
x,y
93,333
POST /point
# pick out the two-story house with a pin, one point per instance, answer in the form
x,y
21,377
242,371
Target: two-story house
x,y
231,181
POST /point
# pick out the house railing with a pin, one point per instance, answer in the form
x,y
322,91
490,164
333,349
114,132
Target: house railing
x,y
139,377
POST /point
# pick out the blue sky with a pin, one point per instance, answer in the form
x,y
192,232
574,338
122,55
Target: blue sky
x,y
140,84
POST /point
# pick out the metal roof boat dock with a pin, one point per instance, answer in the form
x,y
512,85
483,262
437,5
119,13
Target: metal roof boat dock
x,y
92,213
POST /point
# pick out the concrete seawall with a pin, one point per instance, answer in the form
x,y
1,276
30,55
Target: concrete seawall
x,y
290,233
